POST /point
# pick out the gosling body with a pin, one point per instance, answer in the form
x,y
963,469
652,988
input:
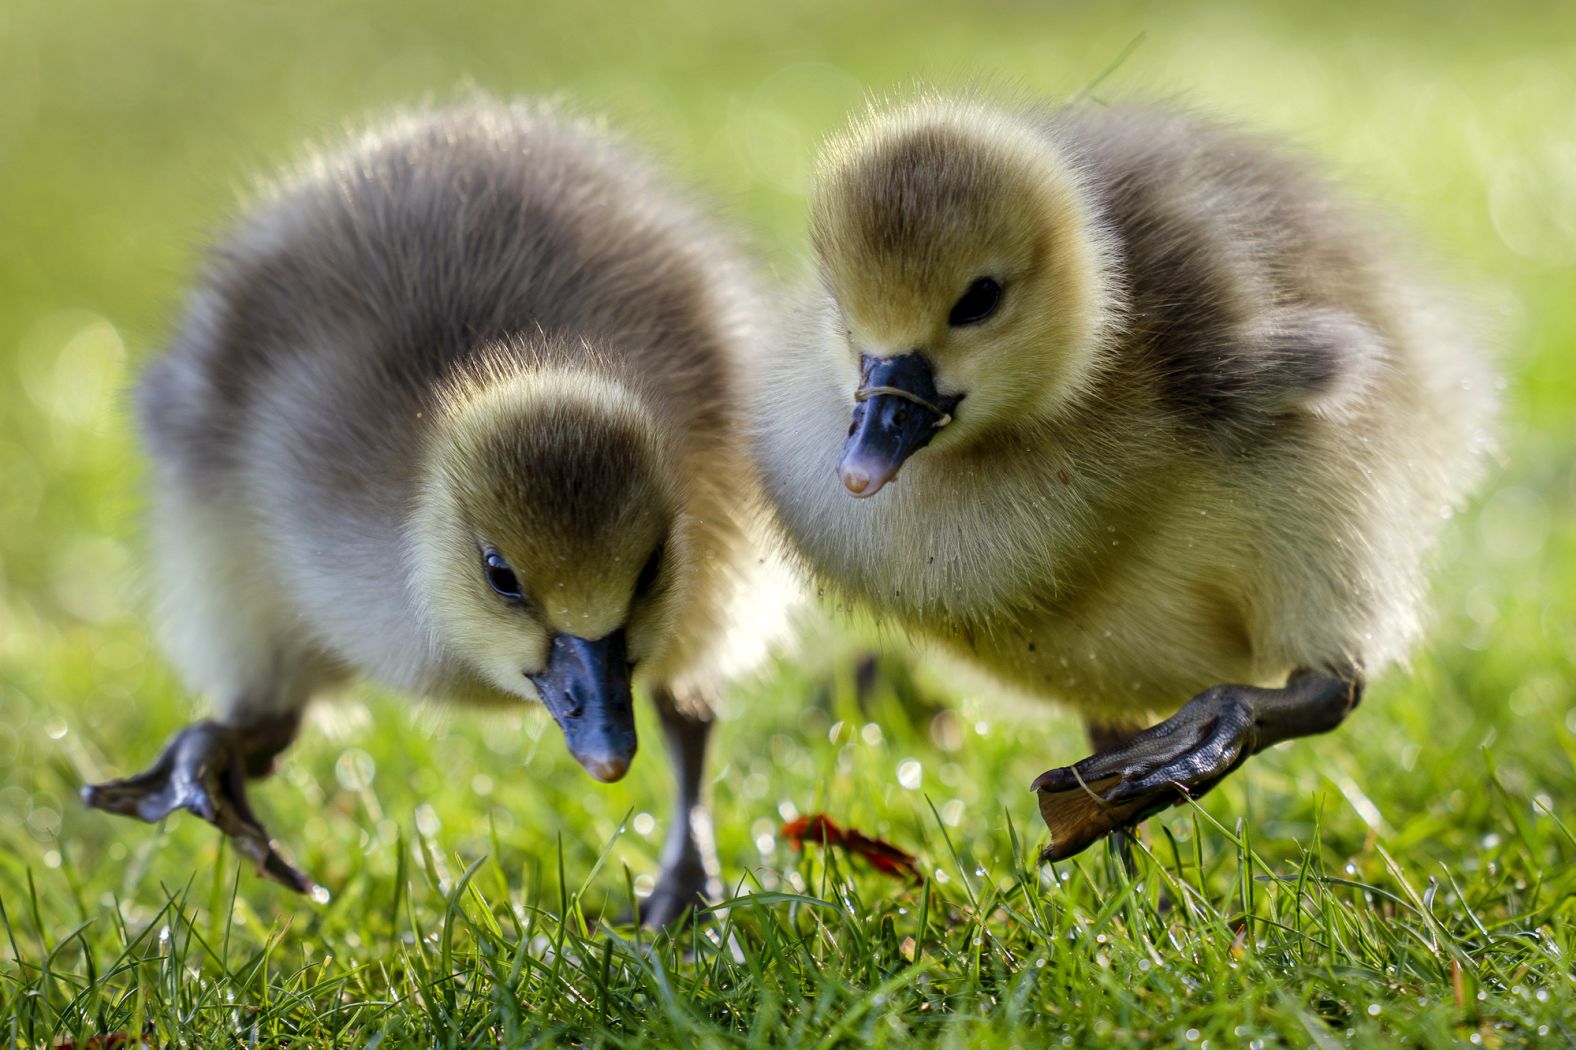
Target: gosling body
x,y
1205,435
453,410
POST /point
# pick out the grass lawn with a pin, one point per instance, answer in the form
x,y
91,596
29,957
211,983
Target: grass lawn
x,y
1407,881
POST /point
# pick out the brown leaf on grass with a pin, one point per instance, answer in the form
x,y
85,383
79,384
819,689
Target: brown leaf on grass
x,y
882,855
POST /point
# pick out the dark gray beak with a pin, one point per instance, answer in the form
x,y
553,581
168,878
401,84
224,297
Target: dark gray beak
x,y
586,689
899,410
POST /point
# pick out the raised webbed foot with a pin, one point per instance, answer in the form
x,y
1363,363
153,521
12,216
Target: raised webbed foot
x,y
1184,756
204,769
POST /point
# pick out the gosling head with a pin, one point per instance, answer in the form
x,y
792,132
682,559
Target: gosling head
x,y
971,275
546,550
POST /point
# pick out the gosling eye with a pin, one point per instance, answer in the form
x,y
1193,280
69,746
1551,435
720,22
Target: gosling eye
x,y
976,304
500,577
647,581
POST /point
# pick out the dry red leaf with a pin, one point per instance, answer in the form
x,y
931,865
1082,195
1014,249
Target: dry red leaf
x,y
882,855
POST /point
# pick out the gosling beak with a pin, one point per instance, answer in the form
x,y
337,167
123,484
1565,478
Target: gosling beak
x,y
898,411
586,689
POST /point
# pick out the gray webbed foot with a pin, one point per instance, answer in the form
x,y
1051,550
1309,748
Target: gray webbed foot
x,y
1184,756
203,769
682,890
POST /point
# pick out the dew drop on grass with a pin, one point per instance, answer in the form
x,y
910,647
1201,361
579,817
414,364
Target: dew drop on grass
x,y
946,732
355,769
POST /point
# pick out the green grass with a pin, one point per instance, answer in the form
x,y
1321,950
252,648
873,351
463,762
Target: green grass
x,y
1407,881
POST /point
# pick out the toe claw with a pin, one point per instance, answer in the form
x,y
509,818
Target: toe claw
x,y
282,872
272,865
1058,779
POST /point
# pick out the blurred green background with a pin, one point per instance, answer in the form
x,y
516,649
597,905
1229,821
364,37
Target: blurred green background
x,y
129,131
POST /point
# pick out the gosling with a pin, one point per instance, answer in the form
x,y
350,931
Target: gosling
x,y
454,409
1169,413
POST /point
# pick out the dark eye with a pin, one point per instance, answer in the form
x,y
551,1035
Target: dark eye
x,y
649,573
978,303
500,577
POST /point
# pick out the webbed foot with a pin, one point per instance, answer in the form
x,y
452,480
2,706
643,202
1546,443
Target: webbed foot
x,y
1185,756
682,891
204,769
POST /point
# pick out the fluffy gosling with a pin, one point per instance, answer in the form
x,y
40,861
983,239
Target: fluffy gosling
x,y
453,409
1169,414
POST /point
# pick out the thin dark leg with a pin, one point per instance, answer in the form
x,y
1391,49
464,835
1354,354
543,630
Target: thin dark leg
x,y
204,769
689,857
1187,754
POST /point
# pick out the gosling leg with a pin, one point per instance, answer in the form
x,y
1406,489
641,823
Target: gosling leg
x,y
689,876
1187,754
204,769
